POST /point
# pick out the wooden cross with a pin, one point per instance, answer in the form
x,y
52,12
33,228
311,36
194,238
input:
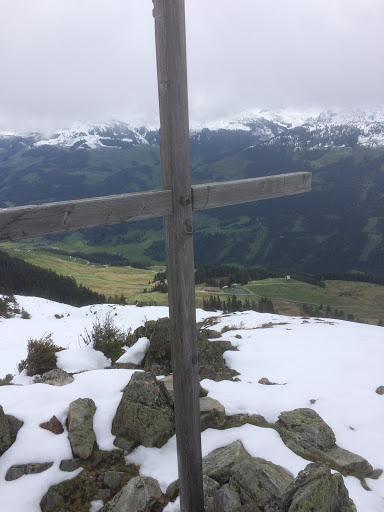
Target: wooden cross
x,y
175,202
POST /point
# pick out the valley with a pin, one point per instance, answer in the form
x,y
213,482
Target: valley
x,y
365,301
338,227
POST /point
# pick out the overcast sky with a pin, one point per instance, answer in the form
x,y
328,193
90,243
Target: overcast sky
x,y
68,60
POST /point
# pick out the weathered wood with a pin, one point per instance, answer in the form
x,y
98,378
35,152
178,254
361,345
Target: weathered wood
x,y
175,167
37,220
212,195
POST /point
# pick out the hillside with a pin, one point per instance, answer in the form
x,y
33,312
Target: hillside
x,y
18,276
338,227
340,296
324,369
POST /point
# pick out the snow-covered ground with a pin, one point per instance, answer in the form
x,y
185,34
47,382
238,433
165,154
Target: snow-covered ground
x,y
338,364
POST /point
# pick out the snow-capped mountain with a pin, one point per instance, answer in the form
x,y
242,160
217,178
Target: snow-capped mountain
x,y
305,129
99,135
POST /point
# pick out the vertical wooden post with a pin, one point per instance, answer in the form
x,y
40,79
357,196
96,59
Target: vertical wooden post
x,y
175,168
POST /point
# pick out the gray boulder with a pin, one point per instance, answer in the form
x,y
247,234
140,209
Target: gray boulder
x,y
141,494
51,502
218,463
14,426
237,420
307,434
80,427
259,482
380,390
316,489
15,472
212,413
210,487
69,465
112,479
266,382
145,414
158,357
168,383
56,377
211,361
5,432
226,500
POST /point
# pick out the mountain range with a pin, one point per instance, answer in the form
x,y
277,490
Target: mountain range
x,y
298,129
338,227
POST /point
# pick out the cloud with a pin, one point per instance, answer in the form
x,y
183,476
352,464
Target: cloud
x,y
67,60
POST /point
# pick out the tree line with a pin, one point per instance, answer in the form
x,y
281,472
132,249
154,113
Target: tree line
x,y
20,277
218,274
233,303
101,258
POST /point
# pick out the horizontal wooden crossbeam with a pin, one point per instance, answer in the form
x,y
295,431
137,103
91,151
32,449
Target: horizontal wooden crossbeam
x,y
38,220
212,195
22,222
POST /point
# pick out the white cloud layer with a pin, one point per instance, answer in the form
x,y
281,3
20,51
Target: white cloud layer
x,y
67,60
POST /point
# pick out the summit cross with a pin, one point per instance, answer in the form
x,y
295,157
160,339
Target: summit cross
x,y
175,202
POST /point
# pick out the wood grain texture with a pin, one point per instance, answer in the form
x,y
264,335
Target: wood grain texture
x,y
38,220
212,195
175,168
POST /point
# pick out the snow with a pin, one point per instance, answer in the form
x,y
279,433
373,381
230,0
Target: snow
x,y
336,363
161,463
266,124
136,353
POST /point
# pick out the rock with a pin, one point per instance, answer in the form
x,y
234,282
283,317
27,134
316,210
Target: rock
x,y
112,479
212,333
348,463
145,414
259,482
14,426
238,336
158,357
307,434
226,500
218,463
123,366
211,361
173,490
380,390
210,487
80,427
304,429
267,382
141,494
376,473
316,489
168,383
52,502
124,444
212,413
5,432
53,425
102,494
78,491
15,472
70,465
56,377
237,420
